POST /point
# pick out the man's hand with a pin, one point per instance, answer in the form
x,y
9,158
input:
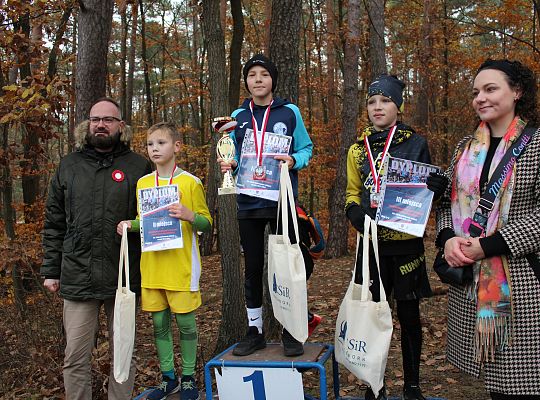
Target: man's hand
x,y
52,285
121,224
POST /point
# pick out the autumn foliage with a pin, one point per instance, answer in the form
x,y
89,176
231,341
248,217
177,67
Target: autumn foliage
x,y
434,46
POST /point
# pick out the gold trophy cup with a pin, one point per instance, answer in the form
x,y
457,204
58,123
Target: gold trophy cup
x,y
225,150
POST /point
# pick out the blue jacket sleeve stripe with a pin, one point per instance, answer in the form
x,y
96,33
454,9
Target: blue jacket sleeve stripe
x,y
303,147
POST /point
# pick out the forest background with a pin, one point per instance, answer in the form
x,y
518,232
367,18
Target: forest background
x,y
181,61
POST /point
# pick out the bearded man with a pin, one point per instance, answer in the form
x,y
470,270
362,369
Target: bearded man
x,y
92,190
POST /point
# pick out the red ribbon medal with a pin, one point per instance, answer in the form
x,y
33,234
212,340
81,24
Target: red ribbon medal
x,y
260,171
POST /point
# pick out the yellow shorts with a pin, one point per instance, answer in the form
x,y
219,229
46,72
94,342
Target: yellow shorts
x,y
154,300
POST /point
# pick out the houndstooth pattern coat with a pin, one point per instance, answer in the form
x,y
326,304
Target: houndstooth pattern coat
x,y
516,369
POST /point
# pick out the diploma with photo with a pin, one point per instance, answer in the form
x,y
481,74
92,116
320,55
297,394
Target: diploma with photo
x,y
159,231
267,185
405,199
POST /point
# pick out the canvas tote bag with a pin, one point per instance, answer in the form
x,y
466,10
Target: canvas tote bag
x,y
124,317
364,327
286,270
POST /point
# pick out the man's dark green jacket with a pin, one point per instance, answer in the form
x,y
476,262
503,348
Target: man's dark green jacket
x,y
88,195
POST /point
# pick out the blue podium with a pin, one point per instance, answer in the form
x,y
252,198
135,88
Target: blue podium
x,y
315,356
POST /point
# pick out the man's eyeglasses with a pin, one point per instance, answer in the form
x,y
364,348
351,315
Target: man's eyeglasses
x,y
106,120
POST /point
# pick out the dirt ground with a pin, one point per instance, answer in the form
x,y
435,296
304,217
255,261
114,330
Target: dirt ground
x,y
326,289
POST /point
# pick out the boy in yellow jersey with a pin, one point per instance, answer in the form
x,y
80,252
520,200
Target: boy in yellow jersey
x,y
170,278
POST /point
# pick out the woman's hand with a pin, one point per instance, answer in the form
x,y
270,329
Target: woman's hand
x,y
473,250
226,166
453,252
178,210
288,159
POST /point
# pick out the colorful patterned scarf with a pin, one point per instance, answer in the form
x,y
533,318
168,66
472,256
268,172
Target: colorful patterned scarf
x,y
491,287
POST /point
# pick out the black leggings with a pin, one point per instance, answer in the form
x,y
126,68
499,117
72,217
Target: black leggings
x,y
408,313
500,396
252,239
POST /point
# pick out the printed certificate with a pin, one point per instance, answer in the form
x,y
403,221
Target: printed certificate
x,y
268,188
159,231
405,199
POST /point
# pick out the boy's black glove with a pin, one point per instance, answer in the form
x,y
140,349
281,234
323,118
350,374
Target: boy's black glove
x,y
437,183
356,216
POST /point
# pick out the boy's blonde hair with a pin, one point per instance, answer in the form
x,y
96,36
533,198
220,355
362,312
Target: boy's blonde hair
x,y
168,127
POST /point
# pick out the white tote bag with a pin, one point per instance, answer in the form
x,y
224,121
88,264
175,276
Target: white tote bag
x,y
364,327
286,270
124,318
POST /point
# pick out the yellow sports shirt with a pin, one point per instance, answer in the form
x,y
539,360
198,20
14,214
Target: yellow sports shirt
x,y
176,269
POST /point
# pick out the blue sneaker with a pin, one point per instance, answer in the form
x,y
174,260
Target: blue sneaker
x,y
165,388
189,389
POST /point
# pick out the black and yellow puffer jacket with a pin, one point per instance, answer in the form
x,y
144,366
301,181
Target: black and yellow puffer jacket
x,y
406,144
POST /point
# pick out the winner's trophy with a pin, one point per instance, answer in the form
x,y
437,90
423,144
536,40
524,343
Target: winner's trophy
x,y
225,150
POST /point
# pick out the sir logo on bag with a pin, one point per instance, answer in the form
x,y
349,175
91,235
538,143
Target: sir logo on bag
x,y
343,331
354,350
283,292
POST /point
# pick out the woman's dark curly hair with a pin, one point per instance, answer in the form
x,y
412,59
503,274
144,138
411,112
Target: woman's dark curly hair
x,y
521,78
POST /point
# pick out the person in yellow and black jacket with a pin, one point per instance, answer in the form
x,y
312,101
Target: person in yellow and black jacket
x,y
402,260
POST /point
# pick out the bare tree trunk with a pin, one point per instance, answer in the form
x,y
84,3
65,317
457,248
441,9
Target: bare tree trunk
x,y
123,57
422,104
331,62
284,46
95,22
444,158
235,65
309,90
53,55
29,136
72,95
197,61
8,213
377,58
339,226
223,14
8,210
131,59
233,309
7,186
148,89
267,22
163,94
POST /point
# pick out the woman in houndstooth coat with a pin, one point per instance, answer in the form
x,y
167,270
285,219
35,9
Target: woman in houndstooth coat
x,y
494,323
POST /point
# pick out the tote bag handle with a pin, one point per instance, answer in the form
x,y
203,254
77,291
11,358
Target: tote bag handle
x,y
369,224
124,259
286,200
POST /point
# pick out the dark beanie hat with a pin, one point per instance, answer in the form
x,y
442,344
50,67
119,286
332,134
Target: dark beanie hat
x,y
264,62
388,86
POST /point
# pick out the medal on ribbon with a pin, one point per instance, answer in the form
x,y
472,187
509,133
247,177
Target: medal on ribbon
x,y
259,174
374,195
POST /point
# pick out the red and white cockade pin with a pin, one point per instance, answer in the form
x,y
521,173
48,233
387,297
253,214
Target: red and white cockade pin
x,y
118,175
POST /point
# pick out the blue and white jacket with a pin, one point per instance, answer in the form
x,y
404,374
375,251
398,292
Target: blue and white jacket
x,y
284,119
